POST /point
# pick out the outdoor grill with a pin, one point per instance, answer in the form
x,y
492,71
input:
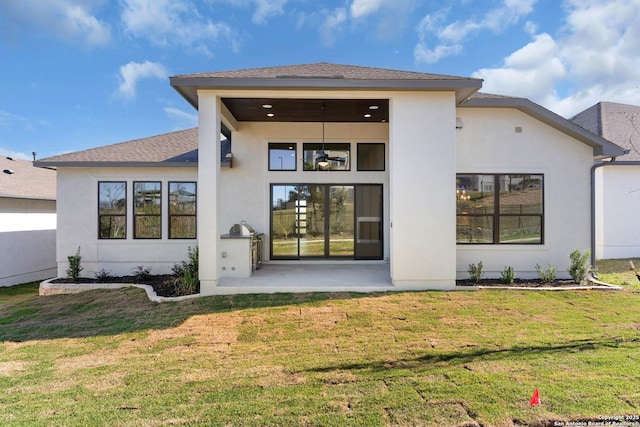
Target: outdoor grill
x,y
245,230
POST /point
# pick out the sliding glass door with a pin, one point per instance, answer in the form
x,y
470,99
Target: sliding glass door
x,y
326,221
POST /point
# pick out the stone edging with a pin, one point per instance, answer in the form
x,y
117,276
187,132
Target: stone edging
x,y
48,288
597,285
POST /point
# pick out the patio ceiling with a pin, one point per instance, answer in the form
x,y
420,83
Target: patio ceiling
x,y
308,110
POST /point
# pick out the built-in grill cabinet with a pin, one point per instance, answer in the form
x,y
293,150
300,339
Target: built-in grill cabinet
x,y
241,251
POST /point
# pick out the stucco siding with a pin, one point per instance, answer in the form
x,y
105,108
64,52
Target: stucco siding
x,y
509,141
78,223
618,232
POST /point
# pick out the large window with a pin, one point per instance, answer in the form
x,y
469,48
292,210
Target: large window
x,y
282,156
112,210
147,205
182,210
500,209
327,156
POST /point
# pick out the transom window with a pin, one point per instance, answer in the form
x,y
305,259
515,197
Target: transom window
x,y
499,209
327,156
282,156
112,210
371,157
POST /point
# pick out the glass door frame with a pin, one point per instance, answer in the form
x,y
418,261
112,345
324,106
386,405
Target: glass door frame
x,y
300,220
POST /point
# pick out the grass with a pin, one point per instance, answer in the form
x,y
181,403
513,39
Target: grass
x,y
618,272
420,358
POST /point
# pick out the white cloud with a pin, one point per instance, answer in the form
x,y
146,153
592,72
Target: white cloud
x,y
134,71
5,152
266,9
360,8
595,59
71,20
447,40
171,23
331,27
8,119
182,117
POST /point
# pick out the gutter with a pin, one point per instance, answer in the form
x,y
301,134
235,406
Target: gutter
x,y
595,167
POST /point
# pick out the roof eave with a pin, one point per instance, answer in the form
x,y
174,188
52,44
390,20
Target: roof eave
x,y
26,197
187,86
602,148
116,164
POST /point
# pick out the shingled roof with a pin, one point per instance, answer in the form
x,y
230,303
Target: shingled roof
x,y
20,179
178,148
322,76
619,123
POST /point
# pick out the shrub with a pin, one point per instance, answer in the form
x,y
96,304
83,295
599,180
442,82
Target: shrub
x,y
141,274
508,275
187,282
103,276
475,272
548,275
73,272
580,265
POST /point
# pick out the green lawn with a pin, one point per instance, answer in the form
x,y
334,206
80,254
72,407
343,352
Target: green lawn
x,y
400,359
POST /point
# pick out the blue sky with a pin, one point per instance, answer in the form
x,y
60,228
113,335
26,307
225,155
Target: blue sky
x,y
77,74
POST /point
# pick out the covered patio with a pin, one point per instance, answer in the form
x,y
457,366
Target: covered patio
x,y
311,277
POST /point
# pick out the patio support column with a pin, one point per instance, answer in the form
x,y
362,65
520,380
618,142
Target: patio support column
x,y
208,181
422,143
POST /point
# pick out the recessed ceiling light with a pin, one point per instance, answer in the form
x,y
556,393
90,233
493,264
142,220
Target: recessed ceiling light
x,y
270,114
267,106
367,116
373,107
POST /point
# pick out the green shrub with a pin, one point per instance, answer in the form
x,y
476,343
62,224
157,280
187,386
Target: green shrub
x,y
508,275
580,265
73,272
141,274
475,272
548,275
103,276
187,272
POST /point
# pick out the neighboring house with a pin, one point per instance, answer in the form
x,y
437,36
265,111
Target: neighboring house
x,y
336,164
617,183
27,222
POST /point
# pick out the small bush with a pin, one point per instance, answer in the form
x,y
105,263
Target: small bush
x,y
475,272
73,272
188,281
580,265
103,276
508,275
548,275
141,274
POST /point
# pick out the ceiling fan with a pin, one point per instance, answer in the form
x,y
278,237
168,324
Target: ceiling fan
x,y
322,159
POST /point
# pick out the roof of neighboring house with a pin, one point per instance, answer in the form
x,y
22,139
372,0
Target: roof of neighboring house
x,y
178,148
619,123
602,146
21,180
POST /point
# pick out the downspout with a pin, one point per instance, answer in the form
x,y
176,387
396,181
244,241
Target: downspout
x,y
612,162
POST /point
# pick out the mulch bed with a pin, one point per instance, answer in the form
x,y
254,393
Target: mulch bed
x,y
522,283
163,284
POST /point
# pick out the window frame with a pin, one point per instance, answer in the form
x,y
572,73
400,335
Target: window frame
x,y
122,215
384,156
497,215
326,146
294,149
137,215
170,215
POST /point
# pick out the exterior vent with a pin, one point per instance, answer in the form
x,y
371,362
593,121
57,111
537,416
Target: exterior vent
x,y
8,171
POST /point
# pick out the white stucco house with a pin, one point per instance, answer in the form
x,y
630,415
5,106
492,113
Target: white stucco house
x,y
27,222
336,165
616,183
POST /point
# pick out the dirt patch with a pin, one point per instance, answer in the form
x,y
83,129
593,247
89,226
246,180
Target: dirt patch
x,y
164,285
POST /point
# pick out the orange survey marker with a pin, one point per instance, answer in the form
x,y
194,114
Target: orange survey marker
x,y
535,399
